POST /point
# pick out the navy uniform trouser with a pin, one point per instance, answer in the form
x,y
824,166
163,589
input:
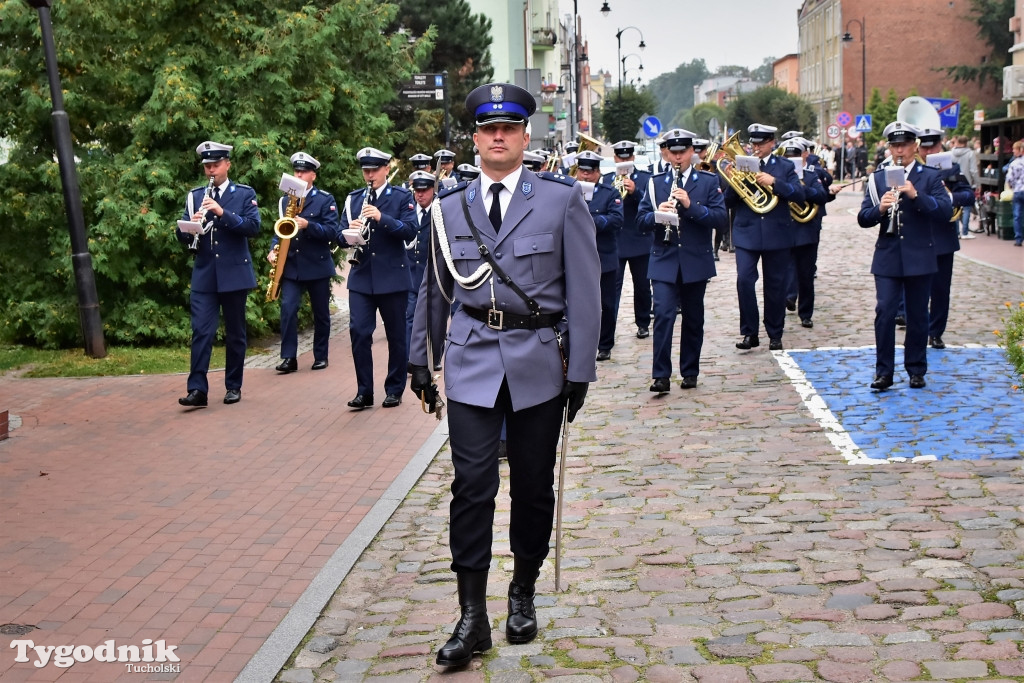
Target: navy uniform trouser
x,y
206,308
916,289
320,301
641,288
609,309
942,281
775,264
363,309
689,298
801,279
531,441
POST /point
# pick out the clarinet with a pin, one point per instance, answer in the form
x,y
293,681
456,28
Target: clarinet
x,y
894,227
357,253
677,170
207,222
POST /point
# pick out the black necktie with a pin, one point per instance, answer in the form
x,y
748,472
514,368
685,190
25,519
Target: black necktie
x,y
373,197
216,194
495,213
762,164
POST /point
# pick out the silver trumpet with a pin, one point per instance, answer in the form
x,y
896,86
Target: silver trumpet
x,y
207,219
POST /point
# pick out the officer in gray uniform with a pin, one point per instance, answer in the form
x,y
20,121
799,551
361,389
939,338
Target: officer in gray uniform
x,y
520,350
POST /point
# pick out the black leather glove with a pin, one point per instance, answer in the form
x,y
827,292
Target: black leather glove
x,y
573,394
420,379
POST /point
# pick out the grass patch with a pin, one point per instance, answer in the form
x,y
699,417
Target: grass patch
x,y
30,362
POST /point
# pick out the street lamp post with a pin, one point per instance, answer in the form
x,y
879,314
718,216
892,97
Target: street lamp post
x,y
847,38
618,37
631,54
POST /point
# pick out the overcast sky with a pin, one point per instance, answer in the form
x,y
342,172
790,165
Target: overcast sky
x,y
721,32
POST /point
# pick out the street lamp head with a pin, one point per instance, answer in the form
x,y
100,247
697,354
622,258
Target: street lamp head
x,y
847,38
642,44
605,9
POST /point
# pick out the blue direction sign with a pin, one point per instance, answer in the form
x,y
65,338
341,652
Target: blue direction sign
x,y
651,126
863,123
949,111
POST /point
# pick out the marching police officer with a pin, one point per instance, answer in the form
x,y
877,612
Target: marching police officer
x,y
467,172
222,273
530,295
379,280
308,267
807,233
765,237
420,162
533,161
606,209
682,258
571,148
634,245
423,192
904,259
947,240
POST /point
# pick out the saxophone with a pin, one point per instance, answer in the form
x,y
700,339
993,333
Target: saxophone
x,y
285,228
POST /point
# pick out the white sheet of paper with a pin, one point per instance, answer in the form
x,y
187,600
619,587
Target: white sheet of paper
x,y
588,189
799,164
353,236
666,218
190,227
895,176
940,160
745,163
624,168
292,185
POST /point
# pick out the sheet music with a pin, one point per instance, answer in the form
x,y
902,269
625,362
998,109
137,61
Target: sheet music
x,y
895,176
940,160
745,163
190,227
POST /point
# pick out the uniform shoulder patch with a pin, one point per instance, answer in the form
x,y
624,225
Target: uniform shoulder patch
x,y
459,187
708,173
243,187
557,177
359,191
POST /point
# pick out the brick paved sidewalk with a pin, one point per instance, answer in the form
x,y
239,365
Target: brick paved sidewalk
x,y
719,535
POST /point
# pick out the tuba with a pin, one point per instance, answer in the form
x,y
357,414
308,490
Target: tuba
x,y
919,112
587,144
285,228
760,199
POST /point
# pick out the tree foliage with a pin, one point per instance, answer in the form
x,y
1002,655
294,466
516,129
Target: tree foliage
x,y
674,91
992,18
696,120
461,46
143,85
772,106
621,113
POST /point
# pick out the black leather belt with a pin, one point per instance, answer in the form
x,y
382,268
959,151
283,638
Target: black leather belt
x,y
502,320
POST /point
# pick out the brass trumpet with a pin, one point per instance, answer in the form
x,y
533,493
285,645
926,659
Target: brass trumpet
x,y
760,199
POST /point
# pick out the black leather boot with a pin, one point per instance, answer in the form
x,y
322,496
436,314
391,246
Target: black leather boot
x,y
473,632
521,626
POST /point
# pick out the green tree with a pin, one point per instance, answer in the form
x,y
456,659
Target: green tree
x,y
696,120
461,46
674,91
772,106
620,115
992,18
143,85
764,73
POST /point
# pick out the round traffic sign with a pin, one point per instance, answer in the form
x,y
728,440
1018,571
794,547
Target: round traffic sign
x,y
844,118
832,131
853,133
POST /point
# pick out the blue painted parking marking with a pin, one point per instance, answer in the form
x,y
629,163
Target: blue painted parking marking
x,y
968,411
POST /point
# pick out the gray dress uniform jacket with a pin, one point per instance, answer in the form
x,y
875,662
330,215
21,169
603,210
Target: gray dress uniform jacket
x,y
547,245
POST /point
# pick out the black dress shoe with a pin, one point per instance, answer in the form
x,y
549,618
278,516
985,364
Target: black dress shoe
x,y
232,396
806,322
319,365
288,365
774,344
901,320
392,401
195,399
790,304
642,333
604,355
688,383
917,382
936,343
361,401
661,385
748,342
882,382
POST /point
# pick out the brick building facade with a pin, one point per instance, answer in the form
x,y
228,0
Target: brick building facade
x,y
895,46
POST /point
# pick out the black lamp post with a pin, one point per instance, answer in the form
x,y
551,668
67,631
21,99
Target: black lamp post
x,y
81,261
618,37
847,38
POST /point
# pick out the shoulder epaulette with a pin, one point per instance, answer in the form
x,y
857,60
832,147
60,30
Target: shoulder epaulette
x,y
245,187
708,173
359,191
459,187
557,177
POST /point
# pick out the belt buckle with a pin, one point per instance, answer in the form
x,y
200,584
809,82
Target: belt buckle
x,y
495,319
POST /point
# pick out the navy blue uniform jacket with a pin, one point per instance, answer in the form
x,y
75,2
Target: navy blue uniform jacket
x,y
773,230
632,242
606,210
384,267
309,253
223,262
690,253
